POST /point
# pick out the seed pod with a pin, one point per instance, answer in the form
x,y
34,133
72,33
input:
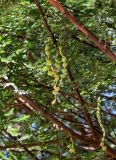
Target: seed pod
x,y
54,101
63,71
48,67
55,92
63,76
56,88
72,150
48,62
63,59
104,148
56,77
56,69
47,50
60,50
58,66
47,47
98,113
50,73
64,64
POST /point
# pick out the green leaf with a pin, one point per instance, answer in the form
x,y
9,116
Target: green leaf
x,y
13,131
2,51
9,113
22,118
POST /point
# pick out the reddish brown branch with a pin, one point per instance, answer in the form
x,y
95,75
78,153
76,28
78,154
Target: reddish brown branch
x,y
41,109
102,46
30,104
33,106
28,145
82,102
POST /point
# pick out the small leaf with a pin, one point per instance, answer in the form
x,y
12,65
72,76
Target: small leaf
x,y
2,51
9,113
22,118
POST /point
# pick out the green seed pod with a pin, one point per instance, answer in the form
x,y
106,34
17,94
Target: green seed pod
x,y
72,150
63,71
56,88
56,77
102,144
47,50
48,54
55,92
57,60
48,62
48,67
60,50
57,65
56,69
54,101
64,64
50,73
63,59
63,76
47,47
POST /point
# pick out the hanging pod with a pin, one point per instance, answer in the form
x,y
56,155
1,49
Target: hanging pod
x,y
98,114
47,50
56,69
50,73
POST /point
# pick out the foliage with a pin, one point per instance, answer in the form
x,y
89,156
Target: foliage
x,y
23,73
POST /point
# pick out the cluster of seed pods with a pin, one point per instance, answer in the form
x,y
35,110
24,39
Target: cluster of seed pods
x,y
98,113
56,66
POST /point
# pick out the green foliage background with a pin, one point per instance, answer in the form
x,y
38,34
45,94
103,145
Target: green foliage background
x,y
22,60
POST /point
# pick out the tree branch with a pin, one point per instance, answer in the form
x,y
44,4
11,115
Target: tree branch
x,y
78,96
102,46
33,106
16,145
82,102
45,21
15,141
